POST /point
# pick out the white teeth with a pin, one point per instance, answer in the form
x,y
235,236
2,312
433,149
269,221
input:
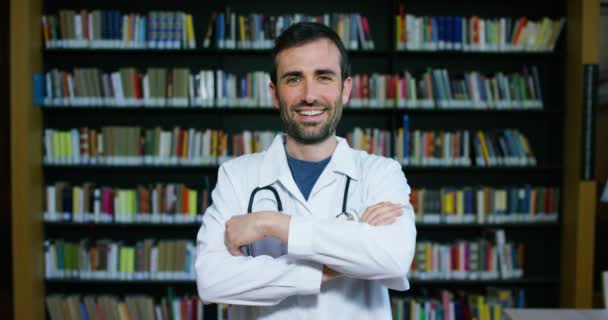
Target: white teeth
x,y
310,112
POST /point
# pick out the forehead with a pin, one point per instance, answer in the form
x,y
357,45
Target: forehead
x,y
318,54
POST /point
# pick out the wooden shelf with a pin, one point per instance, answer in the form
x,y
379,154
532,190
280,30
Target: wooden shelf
x,y
529,281
196,225
50,110
266,52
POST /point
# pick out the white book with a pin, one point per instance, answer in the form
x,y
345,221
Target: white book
x,y
50,201
197,145
605,288
75,144
78,27
191,144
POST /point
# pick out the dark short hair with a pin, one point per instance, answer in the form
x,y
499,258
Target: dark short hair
x,y
305,32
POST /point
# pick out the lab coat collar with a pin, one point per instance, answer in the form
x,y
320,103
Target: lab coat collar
x,y
275,166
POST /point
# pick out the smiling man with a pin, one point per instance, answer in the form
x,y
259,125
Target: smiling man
x,y
310,228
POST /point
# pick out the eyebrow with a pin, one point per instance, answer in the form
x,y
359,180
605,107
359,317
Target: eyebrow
x,y
299,73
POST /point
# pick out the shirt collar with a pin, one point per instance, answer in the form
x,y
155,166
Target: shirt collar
x,y
275,165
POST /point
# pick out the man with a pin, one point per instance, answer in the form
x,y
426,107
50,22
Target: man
x,y
346,232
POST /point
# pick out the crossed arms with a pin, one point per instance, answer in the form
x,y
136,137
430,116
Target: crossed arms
x,y
379,247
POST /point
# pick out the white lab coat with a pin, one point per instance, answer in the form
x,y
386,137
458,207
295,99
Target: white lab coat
x,y
372,258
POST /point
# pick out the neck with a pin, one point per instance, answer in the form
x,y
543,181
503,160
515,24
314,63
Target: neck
x,y
311,152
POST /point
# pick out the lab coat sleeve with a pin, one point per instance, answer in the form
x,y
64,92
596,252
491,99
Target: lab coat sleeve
x,y
359,250
262,280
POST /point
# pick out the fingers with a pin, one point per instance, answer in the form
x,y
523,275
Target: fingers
x,y
386,217
366,215
377,211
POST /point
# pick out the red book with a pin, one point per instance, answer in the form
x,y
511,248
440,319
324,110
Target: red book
x,y
136,88
185,206
180,142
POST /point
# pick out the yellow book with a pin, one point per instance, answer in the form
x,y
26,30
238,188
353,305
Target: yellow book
x,y
190,32
340,29
542,35
460,202
398,30
214,143
481,307
242,28
75,200
484,147
122,266
400,150
497,311
131,259
133,202
123,313
192,197
447,202
66,145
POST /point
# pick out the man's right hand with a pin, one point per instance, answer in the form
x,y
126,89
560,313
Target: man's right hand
x,y
380,214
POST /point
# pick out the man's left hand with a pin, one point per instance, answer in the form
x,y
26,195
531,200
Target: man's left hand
x,y
242,230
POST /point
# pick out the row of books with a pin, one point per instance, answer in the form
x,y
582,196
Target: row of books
x,y
178,203
507,147
478,259
153,203
437,88
231,30
113,145
431,148
486,204
129,307
474,33
149,259
178,87
120,145
156,87
119,30
447,305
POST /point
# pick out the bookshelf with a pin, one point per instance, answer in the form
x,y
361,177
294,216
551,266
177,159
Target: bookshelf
x,y
551,279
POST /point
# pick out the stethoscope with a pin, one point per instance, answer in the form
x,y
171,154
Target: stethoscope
x,y
342,215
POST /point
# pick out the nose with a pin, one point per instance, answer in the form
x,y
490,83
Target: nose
x,y
310,93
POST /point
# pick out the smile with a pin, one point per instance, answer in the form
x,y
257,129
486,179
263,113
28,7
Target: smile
x,y
310,112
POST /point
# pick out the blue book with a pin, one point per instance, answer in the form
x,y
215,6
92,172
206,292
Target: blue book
x,y
468,202
104,25
435,30
244,87
457,31
116,25
406,141
39,89
527,197
449,32
142,29
83,312
220,27
537,87
189,262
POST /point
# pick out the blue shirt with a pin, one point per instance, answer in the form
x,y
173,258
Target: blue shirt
x,y
306,173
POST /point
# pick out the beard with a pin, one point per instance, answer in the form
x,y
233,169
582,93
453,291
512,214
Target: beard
x,y
307,133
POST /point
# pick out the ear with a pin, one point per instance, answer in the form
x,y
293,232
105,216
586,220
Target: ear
x,y
274,93
347,87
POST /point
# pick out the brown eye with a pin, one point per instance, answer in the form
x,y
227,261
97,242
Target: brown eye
x,y
293,80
